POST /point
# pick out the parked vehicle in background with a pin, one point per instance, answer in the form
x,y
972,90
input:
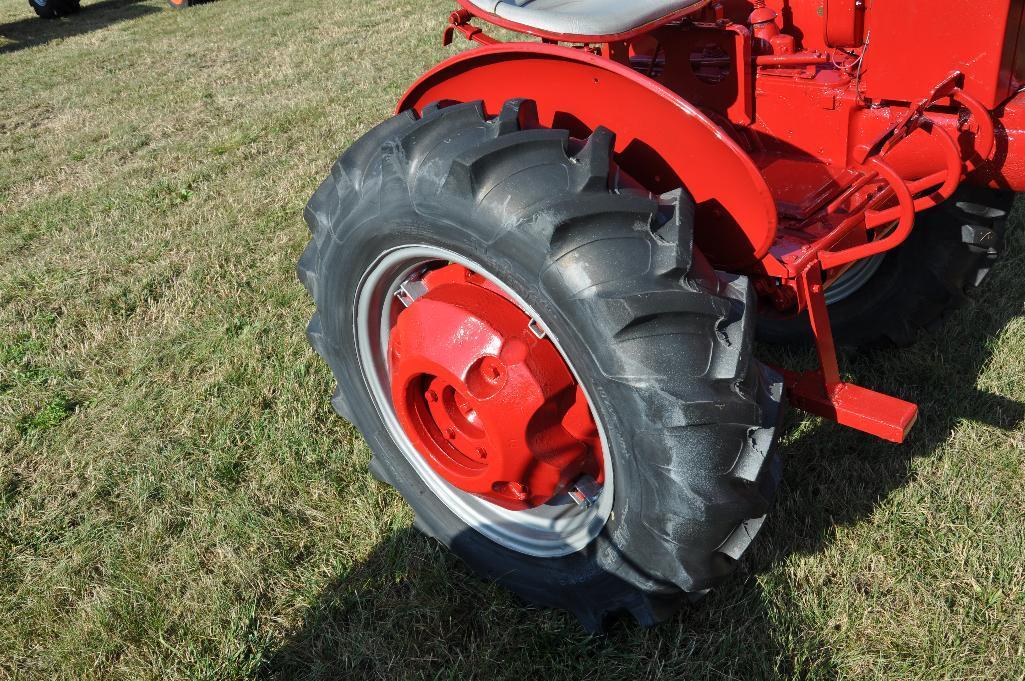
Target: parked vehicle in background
x,y
51,9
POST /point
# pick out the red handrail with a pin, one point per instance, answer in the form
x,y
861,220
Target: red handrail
x,y
905,220
904,190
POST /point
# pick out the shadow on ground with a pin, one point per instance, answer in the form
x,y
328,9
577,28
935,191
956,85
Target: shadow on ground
x,y
32,30
413,610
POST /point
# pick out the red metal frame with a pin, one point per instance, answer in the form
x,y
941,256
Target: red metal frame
x,y
803,149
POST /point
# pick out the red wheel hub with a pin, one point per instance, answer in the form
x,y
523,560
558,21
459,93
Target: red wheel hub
x,y
484,397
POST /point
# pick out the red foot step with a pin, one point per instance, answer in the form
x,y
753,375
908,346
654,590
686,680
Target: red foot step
x,y
851,405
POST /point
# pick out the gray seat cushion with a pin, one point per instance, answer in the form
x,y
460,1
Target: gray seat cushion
x,y
585,17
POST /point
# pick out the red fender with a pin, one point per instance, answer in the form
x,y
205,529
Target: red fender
x,y
662,141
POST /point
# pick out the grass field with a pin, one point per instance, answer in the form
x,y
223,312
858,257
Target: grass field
x,y
177,499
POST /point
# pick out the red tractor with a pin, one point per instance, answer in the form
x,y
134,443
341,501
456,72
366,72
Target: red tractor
x,y
538,284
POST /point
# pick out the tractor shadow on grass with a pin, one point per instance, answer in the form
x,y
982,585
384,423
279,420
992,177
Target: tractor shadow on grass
x,y
32,30
413,610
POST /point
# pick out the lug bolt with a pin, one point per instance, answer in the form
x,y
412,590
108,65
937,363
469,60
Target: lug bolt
x,y
491,369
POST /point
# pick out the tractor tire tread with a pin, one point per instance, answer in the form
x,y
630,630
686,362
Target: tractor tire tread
x,y
709,438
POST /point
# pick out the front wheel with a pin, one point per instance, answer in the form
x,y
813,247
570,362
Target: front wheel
x,y
557,383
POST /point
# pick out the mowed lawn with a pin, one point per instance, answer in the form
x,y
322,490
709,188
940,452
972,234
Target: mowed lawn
x,y
178,501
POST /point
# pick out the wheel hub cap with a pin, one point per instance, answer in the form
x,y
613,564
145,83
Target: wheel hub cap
x,y
484,396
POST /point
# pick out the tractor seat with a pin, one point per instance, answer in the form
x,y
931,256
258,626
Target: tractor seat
x,y
586,17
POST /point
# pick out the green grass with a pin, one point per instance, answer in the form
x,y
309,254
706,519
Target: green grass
x,y
177,499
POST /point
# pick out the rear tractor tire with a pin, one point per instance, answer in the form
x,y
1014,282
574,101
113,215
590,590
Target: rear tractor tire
x,y
462,265
891,299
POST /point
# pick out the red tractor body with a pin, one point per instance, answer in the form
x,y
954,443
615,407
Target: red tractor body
x,y
809,133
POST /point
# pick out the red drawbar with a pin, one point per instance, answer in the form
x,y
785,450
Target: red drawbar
x,y
485,396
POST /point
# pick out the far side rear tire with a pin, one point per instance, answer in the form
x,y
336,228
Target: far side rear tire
x,y
892,300
661,343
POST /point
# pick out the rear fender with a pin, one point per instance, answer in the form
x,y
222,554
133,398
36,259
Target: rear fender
x,y
662,141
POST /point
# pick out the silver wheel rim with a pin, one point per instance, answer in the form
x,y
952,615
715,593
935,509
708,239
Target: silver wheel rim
x,y
853,279
558,528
